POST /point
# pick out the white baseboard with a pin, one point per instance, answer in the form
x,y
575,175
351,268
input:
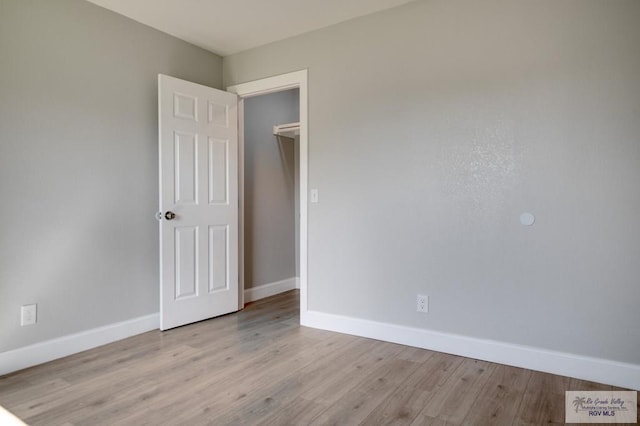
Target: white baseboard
x,y
49,350
594,369
271,289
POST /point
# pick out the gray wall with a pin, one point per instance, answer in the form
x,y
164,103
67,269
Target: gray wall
x,y
434,125
269,222
78,163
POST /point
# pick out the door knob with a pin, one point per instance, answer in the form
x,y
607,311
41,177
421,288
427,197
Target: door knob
x,y
169,215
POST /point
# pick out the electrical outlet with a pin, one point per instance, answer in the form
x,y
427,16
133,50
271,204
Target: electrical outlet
x,y
28,314
423,303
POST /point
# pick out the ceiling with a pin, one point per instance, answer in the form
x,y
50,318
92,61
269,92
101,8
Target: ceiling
x,y
230,26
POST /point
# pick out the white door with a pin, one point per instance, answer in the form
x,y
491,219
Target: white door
x,y
198,136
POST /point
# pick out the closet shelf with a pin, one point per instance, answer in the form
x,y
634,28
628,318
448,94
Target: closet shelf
x,y
289,130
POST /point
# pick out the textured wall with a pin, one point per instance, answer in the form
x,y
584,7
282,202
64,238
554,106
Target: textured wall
x,y
434,125
79,164
269,224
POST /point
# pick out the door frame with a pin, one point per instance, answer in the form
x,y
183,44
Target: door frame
x,y
278,83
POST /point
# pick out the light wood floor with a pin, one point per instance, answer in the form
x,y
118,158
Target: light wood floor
x,y
259,366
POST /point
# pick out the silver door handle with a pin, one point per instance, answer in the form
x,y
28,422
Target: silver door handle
x,y
169,215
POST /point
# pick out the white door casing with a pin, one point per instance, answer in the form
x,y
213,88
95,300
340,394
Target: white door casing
x,y
198,149
295,79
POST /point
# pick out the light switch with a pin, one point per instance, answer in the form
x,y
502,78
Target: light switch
x,y
314,195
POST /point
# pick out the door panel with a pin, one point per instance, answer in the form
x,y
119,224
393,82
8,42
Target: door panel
x,y
185,168
199,183
218,166
186,261
218,253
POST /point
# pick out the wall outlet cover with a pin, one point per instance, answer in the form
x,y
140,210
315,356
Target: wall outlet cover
x,y
28,314
423,303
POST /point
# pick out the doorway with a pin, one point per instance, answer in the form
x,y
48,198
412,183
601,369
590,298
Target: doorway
x,y
270,194
282,87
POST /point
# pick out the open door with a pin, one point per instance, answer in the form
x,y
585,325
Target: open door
x,y
198,142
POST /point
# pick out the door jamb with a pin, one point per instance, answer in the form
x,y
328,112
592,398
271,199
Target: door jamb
x,y
292,80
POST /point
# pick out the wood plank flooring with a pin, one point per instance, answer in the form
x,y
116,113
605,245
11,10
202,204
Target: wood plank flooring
x,y
260,367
